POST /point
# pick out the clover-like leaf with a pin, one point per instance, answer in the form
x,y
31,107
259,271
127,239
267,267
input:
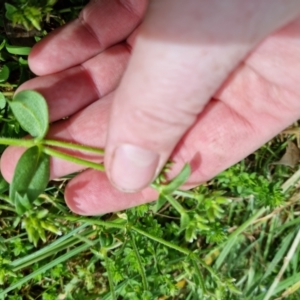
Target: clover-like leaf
x,y
179,180
31,111
30,178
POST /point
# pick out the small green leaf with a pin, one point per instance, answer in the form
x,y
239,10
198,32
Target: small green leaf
x,y
184,221
2,44
22,203
33,235
34,15
49,226
42,213
10,11
18,50
2,101
190,234
106,239
23,61
179,180
31,111
31,176
159,203
4,73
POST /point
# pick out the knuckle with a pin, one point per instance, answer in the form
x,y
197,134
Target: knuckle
x,y
162,115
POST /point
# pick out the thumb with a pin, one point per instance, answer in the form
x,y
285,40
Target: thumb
x,y
182,54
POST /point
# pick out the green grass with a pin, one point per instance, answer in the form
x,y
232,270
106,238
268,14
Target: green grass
x,y
236,237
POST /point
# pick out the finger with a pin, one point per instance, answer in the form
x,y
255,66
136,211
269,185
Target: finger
x,y
160,97
102,195
69,91
100,25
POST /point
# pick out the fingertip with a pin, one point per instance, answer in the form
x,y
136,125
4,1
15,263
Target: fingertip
x,y
35,64
90,193
42,54
55,52
9,161
133,168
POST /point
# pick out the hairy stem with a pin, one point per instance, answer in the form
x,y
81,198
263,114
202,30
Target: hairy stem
x,y
73,146
175,204
109,274
139,261
17,142
73,159
93,221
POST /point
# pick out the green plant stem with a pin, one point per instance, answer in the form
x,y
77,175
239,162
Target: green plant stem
x,y
73,159
175,247
186,194
109,274
161,241
138,257
95,222
17,142
33,142
73,146
175,204
140,231
199,275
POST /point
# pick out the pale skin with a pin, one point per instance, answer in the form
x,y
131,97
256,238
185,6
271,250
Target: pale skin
x,y
204,82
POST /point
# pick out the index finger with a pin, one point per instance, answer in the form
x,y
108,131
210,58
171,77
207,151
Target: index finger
x,y
101,24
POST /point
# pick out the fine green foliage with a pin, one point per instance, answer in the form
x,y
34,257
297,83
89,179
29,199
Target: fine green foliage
x,y
29,13
234,237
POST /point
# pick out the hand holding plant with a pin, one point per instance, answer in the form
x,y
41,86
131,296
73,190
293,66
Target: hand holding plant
x,y
32,171
187,243
234,118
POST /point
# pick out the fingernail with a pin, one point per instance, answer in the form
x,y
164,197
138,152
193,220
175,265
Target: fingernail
x,y
133,168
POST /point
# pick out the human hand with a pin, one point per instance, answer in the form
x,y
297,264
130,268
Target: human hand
x,y
189,92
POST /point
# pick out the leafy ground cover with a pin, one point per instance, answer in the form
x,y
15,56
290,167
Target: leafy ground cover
x,y
235,237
